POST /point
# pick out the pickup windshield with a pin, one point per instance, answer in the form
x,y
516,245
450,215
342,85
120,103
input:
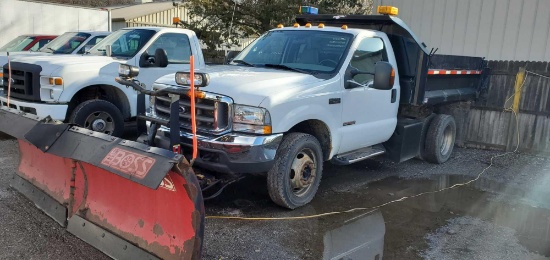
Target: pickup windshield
x,y
124,43
17,44
66,43
305,51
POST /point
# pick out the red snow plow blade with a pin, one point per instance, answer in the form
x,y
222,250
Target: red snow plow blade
x,y
127,199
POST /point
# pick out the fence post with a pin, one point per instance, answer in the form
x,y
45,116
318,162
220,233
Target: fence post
x,y
513,127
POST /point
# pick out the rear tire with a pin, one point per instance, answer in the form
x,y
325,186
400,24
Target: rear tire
x,y
440,139
99,115
294,179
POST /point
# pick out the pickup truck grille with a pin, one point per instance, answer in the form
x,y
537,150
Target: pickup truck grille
x,y
212,114
25,83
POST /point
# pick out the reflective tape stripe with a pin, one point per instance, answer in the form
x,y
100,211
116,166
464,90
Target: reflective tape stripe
x,y
453,72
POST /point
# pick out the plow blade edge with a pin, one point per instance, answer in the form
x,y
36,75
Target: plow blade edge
x,y
129,200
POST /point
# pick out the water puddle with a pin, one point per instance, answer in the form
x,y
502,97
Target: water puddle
x,y
399,230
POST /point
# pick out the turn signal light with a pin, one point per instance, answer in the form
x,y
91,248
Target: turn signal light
x,y
198,94
392,77
55,81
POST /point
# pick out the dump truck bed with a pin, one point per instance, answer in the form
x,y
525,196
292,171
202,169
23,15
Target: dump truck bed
x,y
426,78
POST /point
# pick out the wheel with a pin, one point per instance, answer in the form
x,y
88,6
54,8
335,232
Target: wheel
x,y
440,139
99,115
295,177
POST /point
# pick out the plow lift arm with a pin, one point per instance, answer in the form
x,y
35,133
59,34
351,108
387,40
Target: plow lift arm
x,y
128,199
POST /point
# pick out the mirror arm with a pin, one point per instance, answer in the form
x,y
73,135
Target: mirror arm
x,y
355,72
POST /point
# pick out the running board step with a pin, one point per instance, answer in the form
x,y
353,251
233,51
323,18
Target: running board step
x,y
358,155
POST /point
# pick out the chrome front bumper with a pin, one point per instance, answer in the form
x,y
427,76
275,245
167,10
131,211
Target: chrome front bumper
x,y
229,153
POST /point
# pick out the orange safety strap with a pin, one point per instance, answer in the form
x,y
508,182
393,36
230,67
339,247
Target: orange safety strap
x,y
9,78
192,96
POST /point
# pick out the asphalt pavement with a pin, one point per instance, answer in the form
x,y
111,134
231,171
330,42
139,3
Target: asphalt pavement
x,y
503,215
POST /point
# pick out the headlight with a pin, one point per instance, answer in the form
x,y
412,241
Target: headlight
x,y
251,120
51,81
184,79
127,71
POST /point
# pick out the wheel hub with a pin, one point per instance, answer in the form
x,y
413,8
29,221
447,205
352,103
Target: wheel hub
x,y
98,125
100,122
302,173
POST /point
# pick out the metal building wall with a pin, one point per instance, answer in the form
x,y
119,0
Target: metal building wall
x,y
164,18
23,17
495,29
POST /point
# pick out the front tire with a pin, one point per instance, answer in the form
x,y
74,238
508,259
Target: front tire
x,y
100,116
440,139
294,179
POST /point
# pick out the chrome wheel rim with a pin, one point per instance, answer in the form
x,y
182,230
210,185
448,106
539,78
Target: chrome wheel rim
x,y
100,122
447,140
303,172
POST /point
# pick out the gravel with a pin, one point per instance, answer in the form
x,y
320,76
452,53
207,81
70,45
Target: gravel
x,y
472,238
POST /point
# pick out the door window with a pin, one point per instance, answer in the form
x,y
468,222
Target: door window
x,y
39,44
176,45
368,53
91,43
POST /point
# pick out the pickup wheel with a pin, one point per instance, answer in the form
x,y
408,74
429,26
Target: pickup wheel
x,y
100,116
440,139
295,177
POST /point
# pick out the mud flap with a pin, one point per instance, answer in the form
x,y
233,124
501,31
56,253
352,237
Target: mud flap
x,y
129,200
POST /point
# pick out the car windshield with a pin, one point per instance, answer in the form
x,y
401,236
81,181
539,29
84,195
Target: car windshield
x,y
66,43
17,44
124,43
303,51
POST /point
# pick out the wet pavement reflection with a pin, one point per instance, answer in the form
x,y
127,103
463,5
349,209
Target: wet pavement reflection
x,y
396,231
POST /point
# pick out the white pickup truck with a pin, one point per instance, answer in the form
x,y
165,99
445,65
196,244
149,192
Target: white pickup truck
x,y
81,88
329,88
67,43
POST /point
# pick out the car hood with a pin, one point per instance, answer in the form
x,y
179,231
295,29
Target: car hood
x,y
53,63
251,85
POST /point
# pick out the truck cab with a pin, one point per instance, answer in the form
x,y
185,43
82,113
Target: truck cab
x,y
328,88
81,89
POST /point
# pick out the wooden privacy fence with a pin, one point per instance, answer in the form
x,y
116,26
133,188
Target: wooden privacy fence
x,y
516,88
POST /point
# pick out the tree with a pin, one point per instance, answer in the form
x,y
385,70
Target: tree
x,y
222,22
91,3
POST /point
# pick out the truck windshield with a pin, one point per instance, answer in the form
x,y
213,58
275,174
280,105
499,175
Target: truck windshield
x,y
124,43
66,43
17,44
306,51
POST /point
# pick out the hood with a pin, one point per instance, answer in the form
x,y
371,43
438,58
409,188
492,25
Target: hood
x,y
251,85
15,56
53,63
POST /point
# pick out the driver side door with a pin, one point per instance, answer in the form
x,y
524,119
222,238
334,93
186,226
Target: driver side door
x,y
369,115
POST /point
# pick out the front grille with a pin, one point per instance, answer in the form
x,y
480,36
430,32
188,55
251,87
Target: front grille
x,y
25,84
212,115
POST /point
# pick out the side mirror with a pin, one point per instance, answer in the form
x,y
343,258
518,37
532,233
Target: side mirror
x,y
160,59
230,56
384,76
108,50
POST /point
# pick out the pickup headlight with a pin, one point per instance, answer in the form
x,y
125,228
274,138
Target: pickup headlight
x,y
51,81
251,120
